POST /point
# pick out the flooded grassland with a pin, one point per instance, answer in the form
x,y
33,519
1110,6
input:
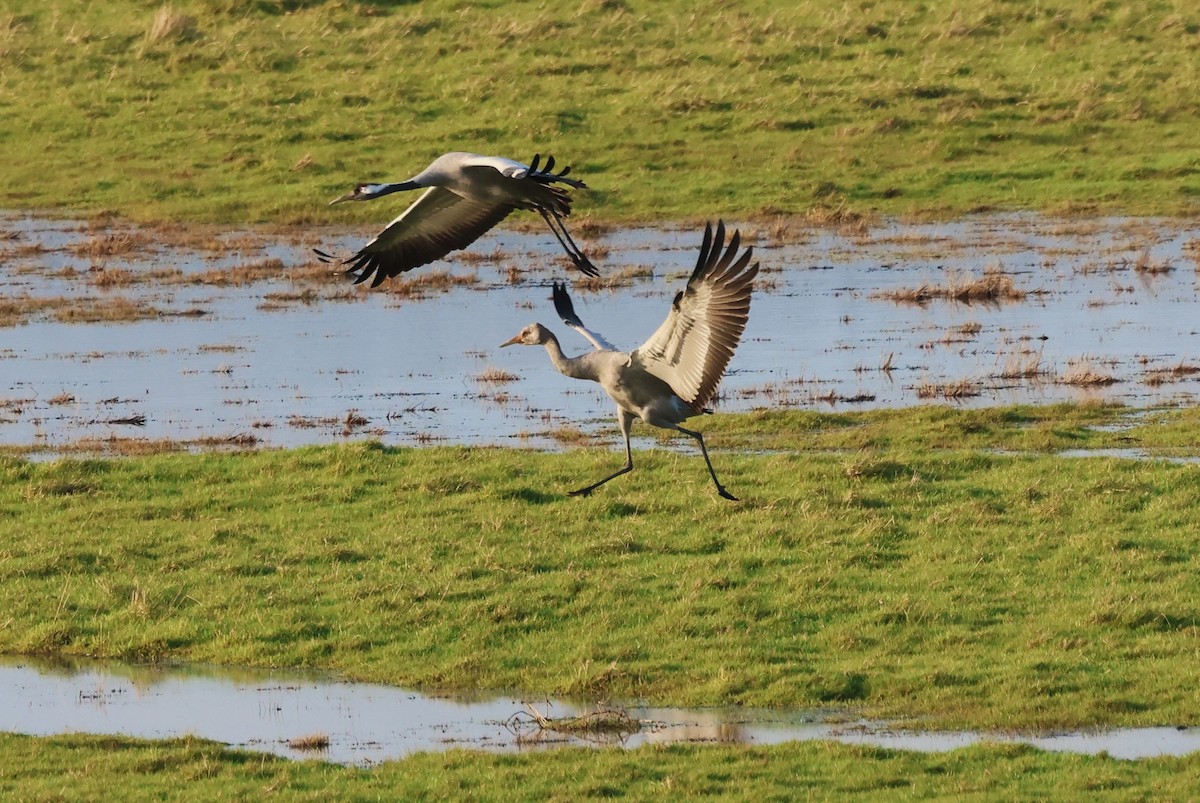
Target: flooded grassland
x,y
117,339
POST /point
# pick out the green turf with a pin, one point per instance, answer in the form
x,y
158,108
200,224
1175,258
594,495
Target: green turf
x,y
263,111
99,768
903,576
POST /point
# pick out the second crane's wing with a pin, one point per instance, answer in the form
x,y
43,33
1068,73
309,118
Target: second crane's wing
x,y
692,348
438,222
566,311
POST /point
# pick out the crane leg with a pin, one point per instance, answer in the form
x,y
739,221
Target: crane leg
x,y
564,239
626,422
700,440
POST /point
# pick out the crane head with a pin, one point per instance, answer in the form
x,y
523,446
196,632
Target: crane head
x,y
533,335
363,192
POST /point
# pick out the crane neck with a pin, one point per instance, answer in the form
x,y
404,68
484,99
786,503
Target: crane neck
x,y
380,190
574,367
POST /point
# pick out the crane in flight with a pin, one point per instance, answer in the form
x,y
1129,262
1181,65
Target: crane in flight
x,y
673,375
465,195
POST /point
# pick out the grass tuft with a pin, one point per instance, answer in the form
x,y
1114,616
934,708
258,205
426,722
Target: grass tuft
x,y
313,742
1083,372
170,25
993,287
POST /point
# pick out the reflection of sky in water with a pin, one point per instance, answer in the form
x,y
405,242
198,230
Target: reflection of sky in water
x,y
818,333
367,723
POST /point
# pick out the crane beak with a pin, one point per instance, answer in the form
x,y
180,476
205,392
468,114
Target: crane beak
x,y
516,340
347,197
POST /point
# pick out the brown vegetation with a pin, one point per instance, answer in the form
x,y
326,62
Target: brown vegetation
x,y
622,278
1176,373
993,287
1082,373
496,375
959,389
1023,365
313,741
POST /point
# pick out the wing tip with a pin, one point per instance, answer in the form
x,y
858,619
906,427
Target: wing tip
x,y
564,306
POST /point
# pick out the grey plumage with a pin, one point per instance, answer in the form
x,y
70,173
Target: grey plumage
x,y
464,196
675,373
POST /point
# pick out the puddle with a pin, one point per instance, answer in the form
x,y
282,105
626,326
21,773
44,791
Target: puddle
x,y
366,723
1129,454
277,358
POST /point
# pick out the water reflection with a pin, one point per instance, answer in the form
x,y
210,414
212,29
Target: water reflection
x,y
368,723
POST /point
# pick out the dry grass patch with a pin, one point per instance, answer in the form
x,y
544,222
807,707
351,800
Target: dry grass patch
x,y
247,273
496,375
423,284
350,423
778,228
311,742
471,257
588,226
105,277
993,287
956,335
1146,265
841,217
833,397
569,435
286,299
170,25
622,278
111,244
1023,365
20,309
1085,373
120,446
112,310
959,389
1176,373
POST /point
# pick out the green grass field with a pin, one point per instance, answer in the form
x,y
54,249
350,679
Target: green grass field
x,y
879,567
939,566
214,110
91,768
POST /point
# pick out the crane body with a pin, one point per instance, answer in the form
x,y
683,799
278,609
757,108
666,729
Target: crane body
x,y
464,196
673,375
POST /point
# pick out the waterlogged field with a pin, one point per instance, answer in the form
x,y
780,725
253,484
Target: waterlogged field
x,y
894,560
919,540
132,339
920,566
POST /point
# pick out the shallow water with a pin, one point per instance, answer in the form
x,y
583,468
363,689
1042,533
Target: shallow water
x,y
236,364
368,723
1129,454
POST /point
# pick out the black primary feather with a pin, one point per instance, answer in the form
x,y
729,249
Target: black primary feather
x,y
564,307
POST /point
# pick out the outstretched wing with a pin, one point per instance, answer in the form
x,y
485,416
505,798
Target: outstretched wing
x,y
692,348
546,174
437,223
566,311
